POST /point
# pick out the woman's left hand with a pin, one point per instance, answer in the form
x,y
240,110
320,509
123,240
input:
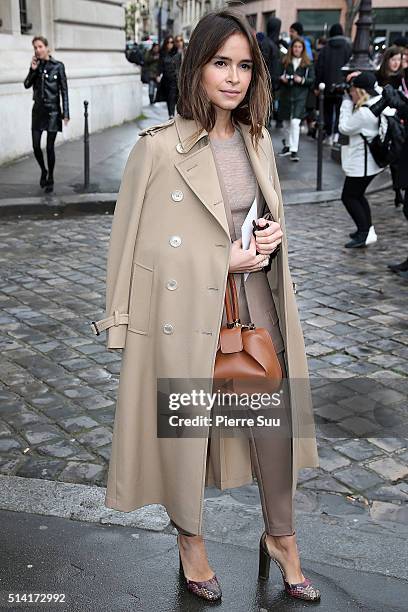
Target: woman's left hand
x,y
66,121
297,78
268,239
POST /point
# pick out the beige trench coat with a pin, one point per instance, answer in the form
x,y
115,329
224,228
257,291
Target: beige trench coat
x,y
167,269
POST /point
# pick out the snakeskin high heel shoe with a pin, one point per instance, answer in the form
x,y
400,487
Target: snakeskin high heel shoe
x,y
206,589
301,590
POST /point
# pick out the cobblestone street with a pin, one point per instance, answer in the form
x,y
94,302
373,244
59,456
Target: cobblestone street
x,y
58,382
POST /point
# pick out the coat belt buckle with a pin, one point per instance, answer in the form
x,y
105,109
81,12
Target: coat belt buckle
x,y
97,332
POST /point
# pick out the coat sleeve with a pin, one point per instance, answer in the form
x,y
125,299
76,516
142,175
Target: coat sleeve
x,y
30,78
276,186
310,77
64,91
123,239
284,244
351,123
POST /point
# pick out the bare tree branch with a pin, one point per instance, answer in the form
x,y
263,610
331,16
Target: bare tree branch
x,y
353,6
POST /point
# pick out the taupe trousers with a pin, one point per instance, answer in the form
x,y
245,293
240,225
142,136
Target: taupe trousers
x,y
271,459
271,455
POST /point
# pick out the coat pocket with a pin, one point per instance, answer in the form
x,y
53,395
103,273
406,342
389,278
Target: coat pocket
x,y
140,298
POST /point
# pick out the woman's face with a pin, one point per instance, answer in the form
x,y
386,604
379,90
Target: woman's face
x,y
40,50
170,44
226,77
297,49
394,63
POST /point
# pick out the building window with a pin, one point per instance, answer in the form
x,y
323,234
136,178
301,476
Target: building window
x,y
390,23
252,20
265,18
25,25
317,23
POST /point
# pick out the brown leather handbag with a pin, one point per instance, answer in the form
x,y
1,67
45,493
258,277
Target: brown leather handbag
x,y
246,358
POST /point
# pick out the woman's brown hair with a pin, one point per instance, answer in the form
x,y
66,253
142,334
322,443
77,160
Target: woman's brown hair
x,y
42,39
304,58
208,36
384,74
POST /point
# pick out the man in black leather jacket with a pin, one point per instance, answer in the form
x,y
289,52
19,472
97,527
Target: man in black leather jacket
x,y
49,82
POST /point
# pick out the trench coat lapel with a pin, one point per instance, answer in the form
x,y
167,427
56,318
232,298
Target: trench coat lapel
x,y
205,183
199,171
261,166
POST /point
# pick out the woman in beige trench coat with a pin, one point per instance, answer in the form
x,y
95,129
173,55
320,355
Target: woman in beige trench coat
x,y
170,247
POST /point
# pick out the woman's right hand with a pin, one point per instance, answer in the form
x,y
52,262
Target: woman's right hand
x,y
352,75
242,260
284,79
34,62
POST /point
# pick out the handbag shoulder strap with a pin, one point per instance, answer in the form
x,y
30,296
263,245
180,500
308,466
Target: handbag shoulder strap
x,y
365,152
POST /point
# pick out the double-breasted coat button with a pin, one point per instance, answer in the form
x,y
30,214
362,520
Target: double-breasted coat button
x,y
179,147
175,241
172,284
168,328
177,195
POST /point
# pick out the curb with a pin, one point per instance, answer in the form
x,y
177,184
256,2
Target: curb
x,y
82,203
104,203
86,502
350,539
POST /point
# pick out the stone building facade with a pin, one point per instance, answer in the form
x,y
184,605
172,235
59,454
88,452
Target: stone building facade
x,y
390,16
89,37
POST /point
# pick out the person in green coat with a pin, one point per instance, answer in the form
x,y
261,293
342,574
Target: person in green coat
x,y
296,77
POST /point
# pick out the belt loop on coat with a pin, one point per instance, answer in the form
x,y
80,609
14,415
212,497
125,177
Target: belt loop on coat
x,y
116,318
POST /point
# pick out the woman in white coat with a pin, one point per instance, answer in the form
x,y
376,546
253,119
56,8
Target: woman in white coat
x,y
359,124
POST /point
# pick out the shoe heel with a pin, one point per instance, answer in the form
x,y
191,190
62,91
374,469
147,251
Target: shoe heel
x,y
264,561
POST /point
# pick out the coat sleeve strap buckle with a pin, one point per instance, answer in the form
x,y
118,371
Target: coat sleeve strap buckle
x,y
95,329
116,319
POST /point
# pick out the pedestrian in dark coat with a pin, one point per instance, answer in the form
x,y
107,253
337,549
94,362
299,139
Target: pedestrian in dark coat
x,y
332,57
297,76
270,50
390,72
167,89
151,69
178,58
399,101
49,82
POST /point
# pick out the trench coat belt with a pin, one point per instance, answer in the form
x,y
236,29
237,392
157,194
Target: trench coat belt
x,y
115,319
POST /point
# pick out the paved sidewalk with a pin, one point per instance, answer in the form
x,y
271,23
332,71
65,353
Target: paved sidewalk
x,y
58,383
109,150
106,567
58,386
